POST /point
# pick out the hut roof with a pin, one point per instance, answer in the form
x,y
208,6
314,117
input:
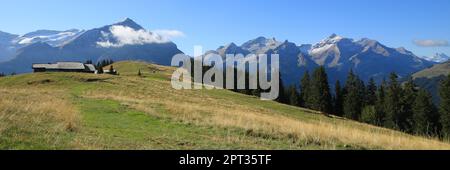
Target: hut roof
x,y
62,65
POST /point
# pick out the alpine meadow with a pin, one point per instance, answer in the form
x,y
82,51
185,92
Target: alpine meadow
x,y
225,83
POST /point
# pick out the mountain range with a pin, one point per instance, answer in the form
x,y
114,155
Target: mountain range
x,y
125,40
367,58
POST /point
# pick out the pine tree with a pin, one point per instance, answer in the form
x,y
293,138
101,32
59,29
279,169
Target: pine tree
x,y
369,115
111,69
139,73
444,109
282,98
353,101
371,90
407,101
379,104
305,91
424,114
104,63
293,96
320,91
392,104
100,70
338,99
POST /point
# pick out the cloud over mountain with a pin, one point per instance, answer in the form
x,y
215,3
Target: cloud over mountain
x,y
124,40
120,36
431,43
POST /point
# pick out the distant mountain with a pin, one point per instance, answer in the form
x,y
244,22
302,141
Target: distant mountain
x,y
10,43
430,78
438,57
293,64
367,58
125,40
7,48
6,38
51,37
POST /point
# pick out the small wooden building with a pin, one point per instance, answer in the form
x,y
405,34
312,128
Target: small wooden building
x,y
65,67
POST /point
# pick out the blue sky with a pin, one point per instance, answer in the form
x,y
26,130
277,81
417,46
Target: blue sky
x,y
212,23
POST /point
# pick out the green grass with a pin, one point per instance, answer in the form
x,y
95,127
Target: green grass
x,y
109,125
87,111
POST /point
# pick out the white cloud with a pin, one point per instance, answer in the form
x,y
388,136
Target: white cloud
x,y
431,43
169,34
128,36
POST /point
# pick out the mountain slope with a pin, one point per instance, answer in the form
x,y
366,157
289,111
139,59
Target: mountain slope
x,y
438,57
367,58
88,111
125,40
293,63
430,78
6,46
52,37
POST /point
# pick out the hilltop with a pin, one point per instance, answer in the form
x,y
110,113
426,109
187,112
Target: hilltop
x,y
430,78
127,111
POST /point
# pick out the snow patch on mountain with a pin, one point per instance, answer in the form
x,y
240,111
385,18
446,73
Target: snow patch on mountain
x,y
53,38
438,57
261,45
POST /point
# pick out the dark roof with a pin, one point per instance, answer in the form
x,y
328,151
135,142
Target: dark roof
x,y
65,66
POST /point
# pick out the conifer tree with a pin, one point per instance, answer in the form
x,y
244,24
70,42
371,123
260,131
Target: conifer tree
x,y
338,99
320,91
100,70
371,90
424,114
282,98
304,90
369,115
293,96
444,109
392,104
379,104
353,100
407,101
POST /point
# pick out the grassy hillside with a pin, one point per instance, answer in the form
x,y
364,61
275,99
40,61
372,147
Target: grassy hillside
x,y
430,78
435,71
87,111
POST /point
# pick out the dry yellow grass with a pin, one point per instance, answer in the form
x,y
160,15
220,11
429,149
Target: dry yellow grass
x,y
43,111
198,108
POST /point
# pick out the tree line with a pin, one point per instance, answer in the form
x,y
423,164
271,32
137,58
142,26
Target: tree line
x,y
4,75
99,66
391,104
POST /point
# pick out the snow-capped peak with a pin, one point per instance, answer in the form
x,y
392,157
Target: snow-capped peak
x,y
261,44
331,40
127,22
438,57
53,38
335,37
